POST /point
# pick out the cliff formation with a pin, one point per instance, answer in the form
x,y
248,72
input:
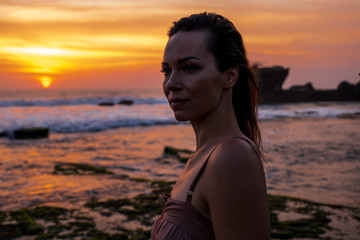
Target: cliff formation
x,y
271,79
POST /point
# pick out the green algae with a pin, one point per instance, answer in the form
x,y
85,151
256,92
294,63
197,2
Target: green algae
x,y
79,169
143,207
3,216
277,202
182,154
124,234
23,222
69,224
314,225
24,225
139,179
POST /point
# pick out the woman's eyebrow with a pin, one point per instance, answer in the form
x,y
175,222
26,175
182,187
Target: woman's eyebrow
x,y
187,58
182,60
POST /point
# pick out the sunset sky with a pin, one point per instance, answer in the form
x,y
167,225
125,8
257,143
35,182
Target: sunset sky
x,y
119,43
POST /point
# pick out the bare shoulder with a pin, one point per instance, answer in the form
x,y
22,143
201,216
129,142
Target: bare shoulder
x,y
235,192
235,169
235,154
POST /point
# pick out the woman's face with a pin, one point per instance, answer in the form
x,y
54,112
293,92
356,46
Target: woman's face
x,y
193,85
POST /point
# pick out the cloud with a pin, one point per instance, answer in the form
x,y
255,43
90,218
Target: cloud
x,y
110,34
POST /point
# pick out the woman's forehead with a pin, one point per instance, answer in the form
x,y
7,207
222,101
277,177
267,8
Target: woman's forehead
x,y
183,44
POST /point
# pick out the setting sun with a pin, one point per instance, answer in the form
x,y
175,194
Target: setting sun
x,y
45,81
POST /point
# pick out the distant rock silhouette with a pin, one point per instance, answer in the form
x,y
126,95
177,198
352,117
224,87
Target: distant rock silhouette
x,y
106,104
126,102
308,87
271,79
31,133
3,134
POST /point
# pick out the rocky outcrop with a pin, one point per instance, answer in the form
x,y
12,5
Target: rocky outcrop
x,y
271,79
348,91
308,87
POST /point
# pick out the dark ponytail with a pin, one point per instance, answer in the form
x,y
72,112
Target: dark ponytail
x,y
226,44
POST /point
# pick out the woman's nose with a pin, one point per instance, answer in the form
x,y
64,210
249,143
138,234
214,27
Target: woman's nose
x,y
173,82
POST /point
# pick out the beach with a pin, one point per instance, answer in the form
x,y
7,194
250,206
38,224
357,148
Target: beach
x,y
312,153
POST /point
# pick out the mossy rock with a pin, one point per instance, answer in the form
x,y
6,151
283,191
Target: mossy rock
x,y
25,225
316,223
277,203
3,216
143,207
125,234
48,213
79,169
140,180
182,154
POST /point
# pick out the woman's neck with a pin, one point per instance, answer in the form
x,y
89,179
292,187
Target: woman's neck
x,y
215,127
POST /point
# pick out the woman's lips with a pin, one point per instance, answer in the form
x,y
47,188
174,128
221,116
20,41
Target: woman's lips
x,y
177,102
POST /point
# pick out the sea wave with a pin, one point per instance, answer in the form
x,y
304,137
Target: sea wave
x,y
86,118
76,101
309,110
145,112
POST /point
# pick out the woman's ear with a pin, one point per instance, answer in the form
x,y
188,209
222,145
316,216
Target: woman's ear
x,y
231,76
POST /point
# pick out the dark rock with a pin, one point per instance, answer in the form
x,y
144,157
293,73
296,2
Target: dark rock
x,y
106,104
344,86
31,133
325,95
3,134
271,79
303,88
126,102
182,154
358,85
348,91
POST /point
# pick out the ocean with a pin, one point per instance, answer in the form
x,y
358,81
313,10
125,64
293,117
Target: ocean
x,y
312,149
70,111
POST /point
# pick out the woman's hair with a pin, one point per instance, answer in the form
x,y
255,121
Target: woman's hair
x,y
226,44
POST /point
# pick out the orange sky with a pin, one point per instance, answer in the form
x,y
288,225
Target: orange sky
x,y
119,43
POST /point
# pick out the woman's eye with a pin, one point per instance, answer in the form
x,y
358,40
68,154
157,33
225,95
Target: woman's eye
x,y
166,71
189,68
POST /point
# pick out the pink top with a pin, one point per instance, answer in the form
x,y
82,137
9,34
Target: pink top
x,y
180,220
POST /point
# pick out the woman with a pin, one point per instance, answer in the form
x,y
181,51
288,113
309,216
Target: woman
x,y
221,193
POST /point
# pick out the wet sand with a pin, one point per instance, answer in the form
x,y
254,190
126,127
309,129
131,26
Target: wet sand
x,y
315,159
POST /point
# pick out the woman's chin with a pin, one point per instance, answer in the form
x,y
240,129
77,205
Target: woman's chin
x,y
180,117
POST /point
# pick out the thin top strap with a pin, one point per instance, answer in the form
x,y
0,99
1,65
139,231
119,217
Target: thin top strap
x,y
202,169
251,143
